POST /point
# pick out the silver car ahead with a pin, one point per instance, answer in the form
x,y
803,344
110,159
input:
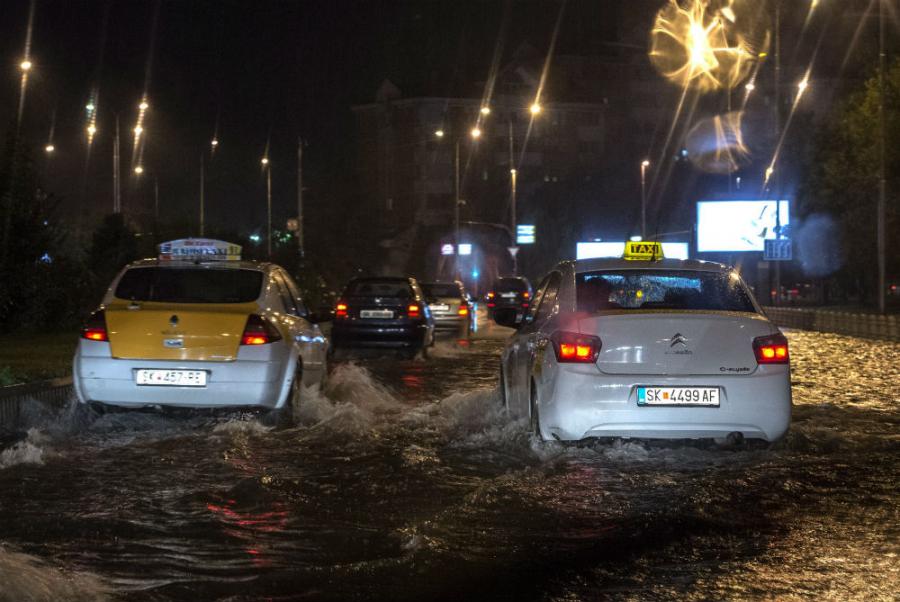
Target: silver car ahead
x,y
450,307
668,349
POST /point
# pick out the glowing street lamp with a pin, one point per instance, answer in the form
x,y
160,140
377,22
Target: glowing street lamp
x,y
138,170
214,143
49,149
439,133
25,65
750,87
485,110
144,105
535,108
264,161
644,165
476,132
138,130
91,130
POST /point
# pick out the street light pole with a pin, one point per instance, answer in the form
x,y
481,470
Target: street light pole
x,y
644,165
512,185
202,197
300,196
882,183
269,209
456,211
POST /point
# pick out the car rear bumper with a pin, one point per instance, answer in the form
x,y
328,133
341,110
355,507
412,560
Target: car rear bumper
x,y
582,402
229,384
450,322
388,336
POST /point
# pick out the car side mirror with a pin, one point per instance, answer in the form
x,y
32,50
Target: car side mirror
x,y
508,316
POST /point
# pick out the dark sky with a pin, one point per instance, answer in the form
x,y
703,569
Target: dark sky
x,y
257,71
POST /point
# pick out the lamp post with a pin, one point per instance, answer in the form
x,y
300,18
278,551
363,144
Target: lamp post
x,y
644,165
882,183
475,134
268,170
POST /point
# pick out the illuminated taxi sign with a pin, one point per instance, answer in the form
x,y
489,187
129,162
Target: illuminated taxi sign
x,y
643,251
199,249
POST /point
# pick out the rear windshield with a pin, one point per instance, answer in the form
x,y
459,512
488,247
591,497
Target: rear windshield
x,y
441,290
190,285
378,288
511,284
664,289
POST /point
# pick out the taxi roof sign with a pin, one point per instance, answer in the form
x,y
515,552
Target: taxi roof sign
x,y
643,250
199,249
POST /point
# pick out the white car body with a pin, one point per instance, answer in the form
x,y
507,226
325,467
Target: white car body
x,y
260,375
640,349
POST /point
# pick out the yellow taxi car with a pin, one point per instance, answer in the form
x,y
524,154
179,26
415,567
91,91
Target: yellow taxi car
x,y
199,328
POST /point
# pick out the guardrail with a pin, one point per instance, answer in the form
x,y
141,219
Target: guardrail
x,y
49,393
871,326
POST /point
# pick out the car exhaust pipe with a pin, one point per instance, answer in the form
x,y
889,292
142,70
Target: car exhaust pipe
x,y
735,438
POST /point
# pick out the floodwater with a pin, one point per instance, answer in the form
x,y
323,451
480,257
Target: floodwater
x,y
405,481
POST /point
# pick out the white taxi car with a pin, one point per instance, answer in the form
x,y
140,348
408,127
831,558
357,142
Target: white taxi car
x,y
647,348
199,328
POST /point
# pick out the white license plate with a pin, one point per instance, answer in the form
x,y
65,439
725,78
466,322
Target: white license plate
x,y
171,378
376,313
439,307
508,295
678,396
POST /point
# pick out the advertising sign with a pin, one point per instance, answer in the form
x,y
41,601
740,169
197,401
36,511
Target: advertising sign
x,y
737,226
190,249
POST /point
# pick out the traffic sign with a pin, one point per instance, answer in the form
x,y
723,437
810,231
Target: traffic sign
x,y
778,250
525,234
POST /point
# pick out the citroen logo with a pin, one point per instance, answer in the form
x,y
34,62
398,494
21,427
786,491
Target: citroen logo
x,y
678,338
173,321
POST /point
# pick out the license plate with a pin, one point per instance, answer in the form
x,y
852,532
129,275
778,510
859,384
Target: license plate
x,y
508,295
678,396
439,307
171,378
376,313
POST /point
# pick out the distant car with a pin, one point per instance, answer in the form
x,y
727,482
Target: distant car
x,y
383,313
509,292
450,306
668,349
199,331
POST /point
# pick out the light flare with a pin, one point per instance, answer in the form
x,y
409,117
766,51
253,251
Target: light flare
x,y
695,45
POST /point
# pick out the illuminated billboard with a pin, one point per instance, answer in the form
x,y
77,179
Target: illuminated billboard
x,y
736,226
591,250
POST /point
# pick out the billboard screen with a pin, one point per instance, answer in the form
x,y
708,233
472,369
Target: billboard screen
x,y
590,250
735,226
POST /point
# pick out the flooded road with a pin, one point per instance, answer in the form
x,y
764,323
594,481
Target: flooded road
x,y
404,481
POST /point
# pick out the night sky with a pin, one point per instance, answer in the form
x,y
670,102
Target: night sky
x,y
257,73
252,71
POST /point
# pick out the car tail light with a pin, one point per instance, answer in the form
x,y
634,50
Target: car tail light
x,y
413,311
463,309
771,349
572,347
259,331
94,328
526,295
524,305
340,310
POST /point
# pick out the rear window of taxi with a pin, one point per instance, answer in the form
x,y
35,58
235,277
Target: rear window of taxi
x,y
662,289
190,285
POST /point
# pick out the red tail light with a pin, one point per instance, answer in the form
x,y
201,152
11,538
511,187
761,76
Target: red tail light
x,y
259,331
340,310
463,309
771,349
572,347
94,328
413,311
